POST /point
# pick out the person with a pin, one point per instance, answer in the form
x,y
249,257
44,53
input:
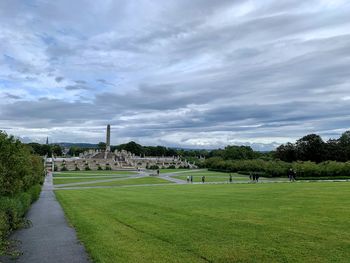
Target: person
x,y
188,178
290,174
294,175
250,176
203,179
254,177
257,177
230,178
191,178
157,171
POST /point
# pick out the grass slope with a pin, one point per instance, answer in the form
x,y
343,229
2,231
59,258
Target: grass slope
x,y
301,222
133,181
91,173
212,176
57,181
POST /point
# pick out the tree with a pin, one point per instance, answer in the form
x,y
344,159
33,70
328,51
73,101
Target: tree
x,y
101,145
132,147
286,152
310,148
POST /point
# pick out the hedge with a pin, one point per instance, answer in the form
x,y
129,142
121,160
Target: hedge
x,y
276,168
21,175
12,211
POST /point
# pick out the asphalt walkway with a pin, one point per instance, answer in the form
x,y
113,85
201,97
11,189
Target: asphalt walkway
x,y
50,239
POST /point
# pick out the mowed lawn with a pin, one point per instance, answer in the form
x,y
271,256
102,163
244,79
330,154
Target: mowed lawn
x,y
277,222
212,176
166,171
131,181
88,176
91,173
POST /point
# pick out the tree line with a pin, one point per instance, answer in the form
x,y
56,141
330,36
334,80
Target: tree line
x,y
312,148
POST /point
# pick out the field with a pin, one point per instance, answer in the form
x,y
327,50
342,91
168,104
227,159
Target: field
x,y
131,181
211,176
92,173
89,176
272,222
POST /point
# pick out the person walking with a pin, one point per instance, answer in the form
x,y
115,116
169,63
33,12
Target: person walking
x,y
294,175
203,179
230,178
290,174
188,178
191,178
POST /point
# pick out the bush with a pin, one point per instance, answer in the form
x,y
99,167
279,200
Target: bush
x,y
154,167
77,168
171,167
12,211
276,168
87,168
99,168
64,168
21,175
108,168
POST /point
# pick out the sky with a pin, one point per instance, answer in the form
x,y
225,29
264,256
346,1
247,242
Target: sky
x,y
194,74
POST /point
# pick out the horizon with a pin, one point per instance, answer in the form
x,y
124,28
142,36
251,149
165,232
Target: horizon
x,y
198,74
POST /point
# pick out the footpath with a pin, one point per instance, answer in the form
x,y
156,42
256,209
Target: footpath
x,y
50,239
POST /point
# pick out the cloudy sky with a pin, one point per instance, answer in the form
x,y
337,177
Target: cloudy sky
x,y
199,73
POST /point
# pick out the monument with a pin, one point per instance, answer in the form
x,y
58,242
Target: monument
x,y
108,138
105,159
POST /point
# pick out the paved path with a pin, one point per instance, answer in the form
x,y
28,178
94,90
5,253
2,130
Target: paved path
x,y
50,239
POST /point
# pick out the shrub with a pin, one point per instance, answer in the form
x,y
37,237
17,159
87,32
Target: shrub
x,y
276,168
12,211
87,168
154,167
64,168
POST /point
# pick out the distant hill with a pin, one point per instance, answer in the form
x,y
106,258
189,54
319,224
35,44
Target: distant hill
x,y
81,145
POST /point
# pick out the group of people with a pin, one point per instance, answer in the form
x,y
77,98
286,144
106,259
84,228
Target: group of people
x,y
292,175
190,179
254,177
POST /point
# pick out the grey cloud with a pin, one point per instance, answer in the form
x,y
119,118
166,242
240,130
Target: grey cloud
x,y
59,79
12,96
105,82
77,87
269,70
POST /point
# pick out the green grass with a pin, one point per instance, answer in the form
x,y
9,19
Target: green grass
x,y
64,180
134,181
91,173
164,171
298,222
212,176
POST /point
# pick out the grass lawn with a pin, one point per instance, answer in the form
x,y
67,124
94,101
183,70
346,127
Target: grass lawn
x,y
300,222
165,171
142,180
68,180
212,176
91,173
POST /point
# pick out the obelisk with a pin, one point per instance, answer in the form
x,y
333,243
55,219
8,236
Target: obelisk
x,y
108,138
